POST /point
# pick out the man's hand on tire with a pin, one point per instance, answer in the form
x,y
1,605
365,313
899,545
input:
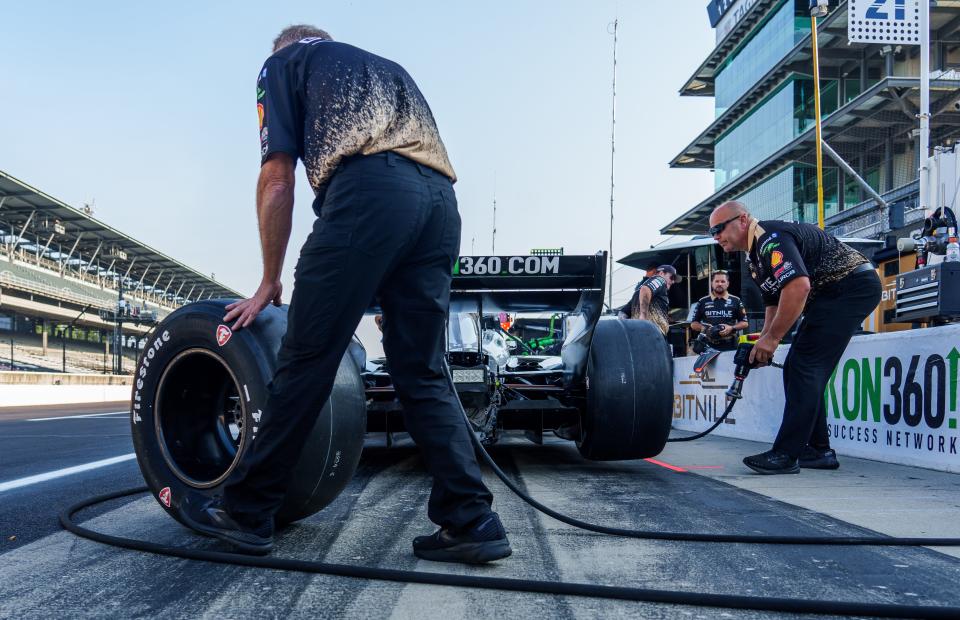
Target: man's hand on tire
x,y
246,311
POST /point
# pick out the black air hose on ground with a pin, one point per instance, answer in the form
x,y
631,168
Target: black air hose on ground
x,y
700,599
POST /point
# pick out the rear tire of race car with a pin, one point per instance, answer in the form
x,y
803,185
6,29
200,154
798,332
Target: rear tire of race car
x,y
198,397
629,392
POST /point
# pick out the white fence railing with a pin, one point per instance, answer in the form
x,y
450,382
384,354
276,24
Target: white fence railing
x,y
7,278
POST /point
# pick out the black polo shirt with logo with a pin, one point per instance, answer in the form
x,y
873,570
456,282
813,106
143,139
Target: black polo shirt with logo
x,y
720,311
783,251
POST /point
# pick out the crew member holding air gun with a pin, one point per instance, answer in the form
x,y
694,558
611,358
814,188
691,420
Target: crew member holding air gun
x,y
719,315
800,269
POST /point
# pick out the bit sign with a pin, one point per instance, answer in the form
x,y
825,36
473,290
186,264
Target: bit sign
x,y
884,21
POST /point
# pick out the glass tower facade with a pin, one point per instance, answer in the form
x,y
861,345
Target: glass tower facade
x,y
770,125
760,146
785,28
777,120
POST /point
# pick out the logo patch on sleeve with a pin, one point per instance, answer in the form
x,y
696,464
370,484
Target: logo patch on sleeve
x,y
776,258
223,334
768,246
260,114
164,496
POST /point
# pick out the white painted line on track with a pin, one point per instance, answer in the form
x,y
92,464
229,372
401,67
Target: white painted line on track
x,y
86,415
60,473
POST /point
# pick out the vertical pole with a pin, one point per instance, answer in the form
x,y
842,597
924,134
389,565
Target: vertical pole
x,y
118,332
493,241
924,105
613,142
816,112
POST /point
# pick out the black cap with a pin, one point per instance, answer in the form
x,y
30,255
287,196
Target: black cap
x,y
671,270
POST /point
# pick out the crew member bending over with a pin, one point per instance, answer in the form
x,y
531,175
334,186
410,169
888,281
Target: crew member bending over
x,y
650,302
800,269
388,226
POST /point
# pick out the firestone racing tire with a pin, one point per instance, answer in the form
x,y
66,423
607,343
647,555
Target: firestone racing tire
x,y
629,392
198,398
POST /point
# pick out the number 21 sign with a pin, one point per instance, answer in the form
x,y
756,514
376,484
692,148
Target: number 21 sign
x,y
884,21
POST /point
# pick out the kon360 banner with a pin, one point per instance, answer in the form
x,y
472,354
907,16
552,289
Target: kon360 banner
x,y
892,398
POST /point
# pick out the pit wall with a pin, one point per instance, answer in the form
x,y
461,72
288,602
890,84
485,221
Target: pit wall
x,y
892,398
21,389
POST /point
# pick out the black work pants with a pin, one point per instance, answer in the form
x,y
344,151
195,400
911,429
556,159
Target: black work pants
x,y
388,227
827,326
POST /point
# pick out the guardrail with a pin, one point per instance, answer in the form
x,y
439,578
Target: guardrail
x,y
7,278
56,378
871,226
53,269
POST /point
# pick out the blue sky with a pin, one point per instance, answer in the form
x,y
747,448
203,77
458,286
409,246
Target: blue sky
x,y
149,108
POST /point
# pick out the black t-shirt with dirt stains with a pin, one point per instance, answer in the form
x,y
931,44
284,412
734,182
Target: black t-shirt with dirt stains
x,y
659,306
322,101
784,251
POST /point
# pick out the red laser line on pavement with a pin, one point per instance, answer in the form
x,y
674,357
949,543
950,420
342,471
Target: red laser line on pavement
x,y
667,465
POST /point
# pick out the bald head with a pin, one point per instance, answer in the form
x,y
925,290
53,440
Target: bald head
x,y
730,209
730,225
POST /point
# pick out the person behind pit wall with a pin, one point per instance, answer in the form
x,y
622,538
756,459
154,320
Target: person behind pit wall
x,y
800,269
650,302
720,309
387,227
623,312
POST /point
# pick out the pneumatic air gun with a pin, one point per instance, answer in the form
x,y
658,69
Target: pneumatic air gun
x,y
742,364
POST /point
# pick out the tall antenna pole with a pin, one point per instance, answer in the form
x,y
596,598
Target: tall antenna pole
x,y
613,138
493,246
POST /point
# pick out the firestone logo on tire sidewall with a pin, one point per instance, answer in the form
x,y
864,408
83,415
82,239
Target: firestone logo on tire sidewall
x,y
164,496
223,334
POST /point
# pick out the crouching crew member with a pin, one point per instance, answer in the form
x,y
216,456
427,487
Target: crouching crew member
x,y
720,315
800,269
388,227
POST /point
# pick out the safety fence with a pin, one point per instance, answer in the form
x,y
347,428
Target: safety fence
x,y
892,398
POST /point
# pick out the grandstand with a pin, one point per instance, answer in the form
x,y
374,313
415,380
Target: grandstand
x,y
61,271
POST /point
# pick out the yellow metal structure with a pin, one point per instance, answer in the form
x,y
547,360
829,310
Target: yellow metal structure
x,y
816,112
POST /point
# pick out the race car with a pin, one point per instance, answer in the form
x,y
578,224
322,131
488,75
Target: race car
x,y
604,383
200,388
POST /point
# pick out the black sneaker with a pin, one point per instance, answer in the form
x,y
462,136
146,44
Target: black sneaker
x,y
771,462
484,542
210,518
811,458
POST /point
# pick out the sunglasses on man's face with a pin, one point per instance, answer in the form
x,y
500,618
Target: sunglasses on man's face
x,y
716,229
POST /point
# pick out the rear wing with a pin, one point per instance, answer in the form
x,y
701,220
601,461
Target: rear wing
x,y
568,284
530,283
